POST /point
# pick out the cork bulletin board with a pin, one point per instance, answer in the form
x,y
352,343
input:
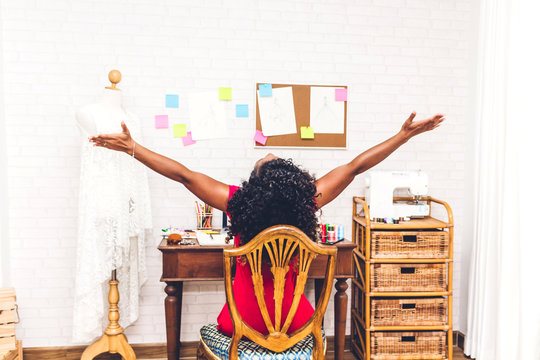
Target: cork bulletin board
x,y
301,98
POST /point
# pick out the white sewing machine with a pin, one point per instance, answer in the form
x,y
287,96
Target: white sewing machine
x,y
380,186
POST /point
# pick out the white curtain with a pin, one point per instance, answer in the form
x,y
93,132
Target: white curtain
x,y
504,299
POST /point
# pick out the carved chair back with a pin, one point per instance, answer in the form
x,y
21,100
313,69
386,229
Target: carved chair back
x,y
279,244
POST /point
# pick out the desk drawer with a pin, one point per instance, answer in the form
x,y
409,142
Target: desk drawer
x,y
408,277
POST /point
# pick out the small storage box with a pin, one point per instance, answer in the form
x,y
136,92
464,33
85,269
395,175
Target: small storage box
x,y
409,244
397,345
408,277
409,311
10,348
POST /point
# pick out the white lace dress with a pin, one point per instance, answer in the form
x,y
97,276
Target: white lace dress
x,y
114,223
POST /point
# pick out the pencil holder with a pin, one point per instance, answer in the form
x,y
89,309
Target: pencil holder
x,y
204,221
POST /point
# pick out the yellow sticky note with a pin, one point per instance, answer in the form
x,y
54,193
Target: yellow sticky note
x,y
179,130
306,132
225,93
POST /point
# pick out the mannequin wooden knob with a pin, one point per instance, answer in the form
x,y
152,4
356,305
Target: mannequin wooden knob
x,y
114,77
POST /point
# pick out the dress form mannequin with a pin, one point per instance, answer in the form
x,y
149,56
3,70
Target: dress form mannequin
x,y
114,218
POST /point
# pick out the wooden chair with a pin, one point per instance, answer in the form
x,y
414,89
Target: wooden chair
x,y
281,243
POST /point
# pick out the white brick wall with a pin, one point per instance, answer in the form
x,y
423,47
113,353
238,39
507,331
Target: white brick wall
x,y
396,56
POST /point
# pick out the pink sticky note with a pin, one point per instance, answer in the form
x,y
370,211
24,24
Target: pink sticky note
x,y
341,94
259,137
162,121
187,140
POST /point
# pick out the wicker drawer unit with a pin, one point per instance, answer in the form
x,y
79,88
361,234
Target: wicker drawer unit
x,y
397,345
409,311
408,277
401,294
409,244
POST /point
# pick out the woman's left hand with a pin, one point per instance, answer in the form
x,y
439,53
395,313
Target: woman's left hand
x,y
412,128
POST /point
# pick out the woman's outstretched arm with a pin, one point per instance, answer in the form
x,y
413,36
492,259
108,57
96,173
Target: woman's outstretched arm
x,y
333,183
209,190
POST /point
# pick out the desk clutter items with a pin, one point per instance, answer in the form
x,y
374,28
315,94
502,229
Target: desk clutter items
x,y
401,295
176,236
332,233
10,347
212,238
204,216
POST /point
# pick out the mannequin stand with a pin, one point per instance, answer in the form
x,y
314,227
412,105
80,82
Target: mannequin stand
x,y
113,340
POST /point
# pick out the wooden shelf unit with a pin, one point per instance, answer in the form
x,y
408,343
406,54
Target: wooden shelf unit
x,y
362,294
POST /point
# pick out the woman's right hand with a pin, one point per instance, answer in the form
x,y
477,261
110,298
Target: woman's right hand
x,y
119,142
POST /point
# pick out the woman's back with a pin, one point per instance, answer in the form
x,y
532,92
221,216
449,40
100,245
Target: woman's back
x,y
246,300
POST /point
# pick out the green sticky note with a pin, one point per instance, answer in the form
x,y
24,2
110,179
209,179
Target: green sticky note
x,y
225,93
179,130
306,132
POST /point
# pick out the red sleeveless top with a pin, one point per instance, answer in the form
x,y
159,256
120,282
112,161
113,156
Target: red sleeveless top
x,y
246,301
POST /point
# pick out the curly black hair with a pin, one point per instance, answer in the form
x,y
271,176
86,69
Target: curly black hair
x,y
277,192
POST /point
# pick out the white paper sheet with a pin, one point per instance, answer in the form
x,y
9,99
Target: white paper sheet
x,y
207,116
326,114
205,239
277,112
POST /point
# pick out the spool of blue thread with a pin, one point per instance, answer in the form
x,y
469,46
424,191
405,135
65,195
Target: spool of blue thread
x,y
341,232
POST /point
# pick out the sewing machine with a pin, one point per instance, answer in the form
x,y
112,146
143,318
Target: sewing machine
x,y
380,187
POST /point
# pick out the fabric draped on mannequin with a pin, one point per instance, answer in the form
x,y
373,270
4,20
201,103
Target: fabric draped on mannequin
x,y
114,223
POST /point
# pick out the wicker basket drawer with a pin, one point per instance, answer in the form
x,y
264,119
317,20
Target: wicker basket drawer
x,y
408,345
408,277
409,311
409,244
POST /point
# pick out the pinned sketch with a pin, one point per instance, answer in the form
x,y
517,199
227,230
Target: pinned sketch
x,y
207,116
277,112
326,114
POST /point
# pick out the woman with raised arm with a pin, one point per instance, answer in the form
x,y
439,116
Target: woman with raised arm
x,y
277,192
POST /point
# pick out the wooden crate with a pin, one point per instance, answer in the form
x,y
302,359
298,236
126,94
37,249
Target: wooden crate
x,y
408,277
409,244
10,348
399,345
409,311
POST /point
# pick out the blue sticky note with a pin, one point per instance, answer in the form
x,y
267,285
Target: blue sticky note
x,y
171,101
265,89
242,111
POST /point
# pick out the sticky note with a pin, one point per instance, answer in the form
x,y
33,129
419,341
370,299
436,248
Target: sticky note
x,y
259,137
265,89
341,94
179,130
187,140
171,101
306,132
242,111
225,93
162,121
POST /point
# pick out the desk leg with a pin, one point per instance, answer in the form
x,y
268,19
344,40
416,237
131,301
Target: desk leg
x,y
319,283
340,320
173,316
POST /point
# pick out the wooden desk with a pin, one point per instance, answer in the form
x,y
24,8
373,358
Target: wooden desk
x,y
197,263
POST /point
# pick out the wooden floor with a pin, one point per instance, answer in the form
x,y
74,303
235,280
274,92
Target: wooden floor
x,y
458,355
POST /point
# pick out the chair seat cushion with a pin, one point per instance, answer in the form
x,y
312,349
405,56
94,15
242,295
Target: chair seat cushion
x,y
219,343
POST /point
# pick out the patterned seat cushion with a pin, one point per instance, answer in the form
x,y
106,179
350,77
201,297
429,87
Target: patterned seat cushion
x,y
218,343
